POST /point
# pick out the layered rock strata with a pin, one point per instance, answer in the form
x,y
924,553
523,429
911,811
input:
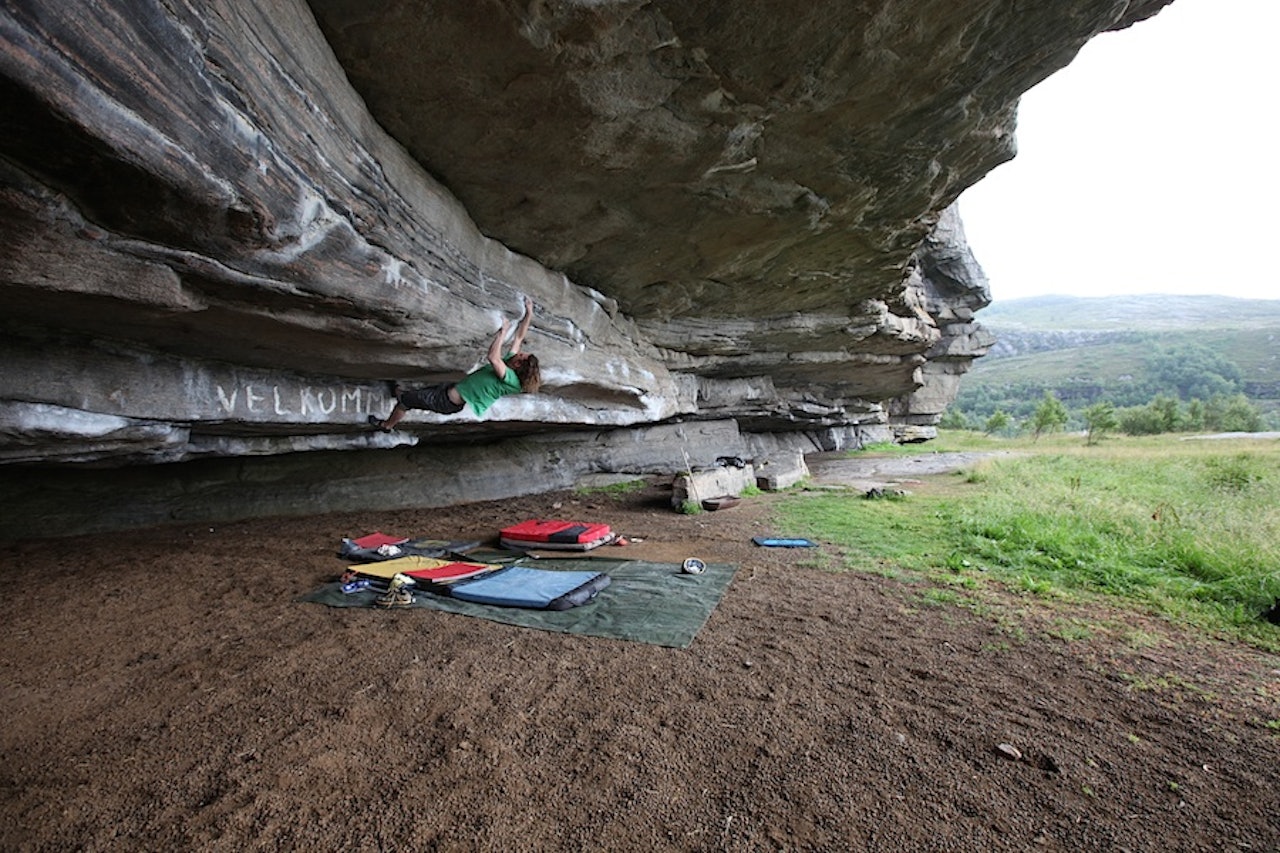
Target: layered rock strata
x,y
224,225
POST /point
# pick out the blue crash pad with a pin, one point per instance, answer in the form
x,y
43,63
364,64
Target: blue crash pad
x,y
540,589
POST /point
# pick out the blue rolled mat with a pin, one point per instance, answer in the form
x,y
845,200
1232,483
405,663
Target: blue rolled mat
x,y
776,542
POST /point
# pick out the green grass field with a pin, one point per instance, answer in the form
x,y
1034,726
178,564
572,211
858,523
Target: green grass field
x,y
1186,529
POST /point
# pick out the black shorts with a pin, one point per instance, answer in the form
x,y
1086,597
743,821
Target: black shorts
x,y
434,398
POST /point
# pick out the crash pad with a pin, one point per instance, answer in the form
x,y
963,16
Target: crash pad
x,y
555,534
541,589
377,539
421,569
387,569
380,546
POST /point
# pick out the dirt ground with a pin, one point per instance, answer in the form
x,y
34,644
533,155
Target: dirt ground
x,y
164,690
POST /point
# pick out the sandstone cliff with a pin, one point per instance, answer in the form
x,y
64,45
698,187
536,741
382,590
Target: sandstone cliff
x,y
226,224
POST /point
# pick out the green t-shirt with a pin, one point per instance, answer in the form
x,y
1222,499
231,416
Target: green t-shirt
x,y
481,388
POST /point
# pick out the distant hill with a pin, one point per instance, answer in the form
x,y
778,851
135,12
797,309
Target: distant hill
x,y
1088,349
1124,313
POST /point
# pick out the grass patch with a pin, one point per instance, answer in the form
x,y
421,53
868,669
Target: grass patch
x,y
934,597
618,489
1071,630
1172,683
1188,529
884,448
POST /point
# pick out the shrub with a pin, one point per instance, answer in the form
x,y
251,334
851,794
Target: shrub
x,y
1050,415
1099,419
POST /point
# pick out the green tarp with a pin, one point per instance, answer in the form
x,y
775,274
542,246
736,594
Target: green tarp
x,y
644,602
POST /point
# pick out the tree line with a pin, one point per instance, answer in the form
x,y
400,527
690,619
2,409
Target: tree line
x,y
1183,388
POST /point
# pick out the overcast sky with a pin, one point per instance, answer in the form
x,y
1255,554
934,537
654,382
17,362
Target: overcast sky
x,y
1148,165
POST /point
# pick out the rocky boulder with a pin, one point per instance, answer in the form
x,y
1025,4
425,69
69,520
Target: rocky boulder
x,y
227,224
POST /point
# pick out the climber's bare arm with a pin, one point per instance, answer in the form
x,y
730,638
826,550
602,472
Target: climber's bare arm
x,y
523,328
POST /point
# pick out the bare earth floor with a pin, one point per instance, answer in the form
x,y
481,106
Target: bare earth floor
x,y
164,690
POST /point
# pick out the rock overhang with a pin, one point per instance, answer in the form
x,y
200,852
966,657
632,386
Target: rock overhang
x,y
229,223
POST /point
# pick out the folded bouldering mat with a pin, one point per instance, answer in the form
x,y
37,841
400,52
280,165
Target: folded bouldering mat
x,y
376,540
644,602
377,546
556,535
422,569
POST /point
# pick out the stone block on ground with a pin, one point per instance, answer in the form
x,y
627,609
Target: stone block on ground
x,y
711,483
781,471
